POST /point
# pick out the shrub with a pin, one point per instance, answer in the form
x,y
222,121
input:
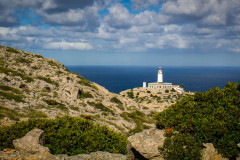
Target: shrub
x,y
67,135
8,88
9,71
208,117
51,63
36,114
86,82
56,104
74,108
23,60
101,107
85,95
11,96
138,118
12,50
187,147
115,100
48,80
10,113
130,95
38,56
167,91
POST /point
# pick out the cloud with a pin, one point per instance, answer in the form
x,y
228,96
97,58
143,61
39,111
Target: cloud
x,y
143,4
201,12
68,45
118,17
82,13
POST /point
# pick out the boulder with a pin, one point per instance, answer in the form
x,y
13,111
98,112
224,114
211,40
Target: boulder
x,y
145,145
29,146
210,153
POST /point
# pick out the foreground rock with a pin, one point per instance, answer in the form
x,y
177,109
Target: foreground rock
x,y
29,147
210,153
145,144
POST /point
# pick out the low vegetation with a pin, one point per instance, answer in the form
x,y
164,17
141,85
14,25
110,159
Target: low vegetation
x,y
12,50
208,117
138,118
54,104
11,96
86,82
8,88
130,94
115,100
85,95
101,107
23,60
9,71
10,113
67,135
48,80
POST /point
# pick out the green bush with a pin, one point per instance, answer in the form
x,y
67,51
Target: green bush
x,y
130,95
12,50
48,80
209,117
36,114
55,104
101,107
51,63
11,96
8,88
85,95
67,135
23,60
187,147
10,113
138,118
115,100
9,71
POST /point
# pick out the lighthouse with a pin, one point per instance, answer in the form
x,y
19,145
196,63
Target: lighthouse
x,y
160,75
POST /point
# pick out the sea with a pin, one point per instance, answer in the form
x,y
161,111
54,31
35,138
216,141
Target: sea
x,y
120,78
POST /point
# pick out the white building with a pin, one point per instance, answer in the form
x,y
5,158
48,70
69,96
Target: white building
x,y
159,85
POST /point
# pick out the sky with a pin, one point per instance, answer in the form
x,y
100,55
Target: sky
x,y
125,32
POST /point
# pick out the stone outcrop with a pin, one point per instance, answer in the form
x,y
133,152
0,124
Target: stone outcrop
x,y
210,153
145,144
29,146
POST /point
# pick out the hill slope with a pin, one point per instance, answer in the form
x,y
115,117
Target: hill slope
x,y
35,87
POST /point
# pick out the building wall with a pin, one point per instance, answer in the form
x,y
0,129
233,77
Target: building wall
x,y
160,86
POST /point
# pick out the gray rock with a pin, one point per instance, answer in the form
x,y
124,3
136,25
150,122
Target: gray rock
x,y
146,143
29,146
210,153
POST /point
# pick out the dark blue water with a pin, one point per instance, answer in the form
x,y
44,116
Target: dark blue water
x,y
119,78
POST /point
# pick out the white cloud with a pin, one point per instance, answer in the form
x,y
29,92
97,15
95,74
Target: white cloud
x,y
118,17
68,45
142,4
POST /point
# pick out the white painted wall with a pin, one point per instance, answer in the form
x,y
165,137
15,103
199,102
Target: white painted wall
x,y
160,75
144,84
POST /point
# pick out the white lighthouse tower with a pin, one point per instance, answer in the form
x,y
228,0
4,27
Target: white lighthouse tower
x,y
160,75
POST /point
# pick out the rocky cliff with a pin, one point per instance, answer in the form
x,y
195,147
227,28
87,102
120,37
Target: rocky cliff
x,y
32,86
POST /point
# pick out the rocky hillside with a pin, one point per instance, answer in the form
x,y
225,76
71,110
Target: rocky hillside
x,y
35,87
